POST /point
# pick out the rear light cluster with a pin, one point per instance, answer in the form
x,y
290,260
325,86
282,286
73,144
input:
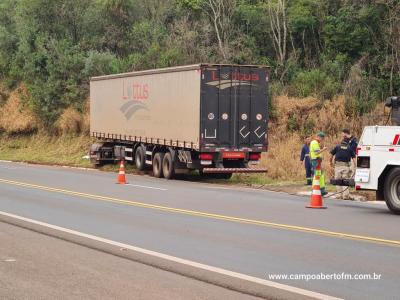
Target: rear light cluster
x,y
206,156
255,156
231,155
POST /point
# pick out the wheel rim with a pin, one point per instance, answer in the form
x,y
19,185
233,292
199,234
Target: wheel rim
x,y
395,190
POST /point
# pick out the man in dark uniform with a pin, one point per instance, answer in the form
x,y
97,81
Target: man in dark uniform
x,y
305,157
353,143
342,158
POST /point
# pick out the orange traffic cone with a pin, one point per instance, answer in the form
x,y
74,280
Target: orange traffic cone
x,y
121,173
316,197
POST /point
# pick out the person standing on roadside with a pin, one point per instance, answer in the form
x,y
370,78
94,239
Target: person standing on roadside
x,y
353,144
352,141
305,158
342,156
316,159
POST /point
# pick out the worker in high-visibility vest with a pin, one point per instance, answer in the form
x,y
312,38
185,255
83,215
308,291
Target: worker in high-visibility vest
x,y
316,159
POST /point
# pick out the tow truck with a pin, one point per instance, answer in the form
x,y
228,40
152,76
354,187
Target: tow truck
x,y
378,160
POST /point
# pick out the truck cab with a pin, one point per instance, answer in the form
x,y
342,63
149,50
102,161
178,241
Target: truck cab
x,y
378,164
378,159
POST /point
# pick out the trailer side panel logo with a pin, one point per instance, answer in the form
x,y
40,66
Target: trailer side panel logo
x,y
136,94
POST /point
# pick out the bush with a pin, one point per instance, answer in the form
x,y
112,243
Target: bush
x,y
15,117
293,123
100,63
70,122
313,83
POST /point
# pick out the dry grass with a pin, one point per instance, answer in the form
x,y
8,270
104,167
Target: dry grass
x,y
282,158
41,148
25,139
72,121
3,94
85,127
15,117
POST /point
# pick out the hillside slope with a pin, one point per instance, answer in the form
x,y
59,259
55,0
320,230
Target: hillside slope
x,y
23,138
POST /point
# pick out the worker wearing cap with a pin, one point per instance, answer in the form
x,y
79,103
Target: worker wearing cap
x,y
316,159
342,156
305,159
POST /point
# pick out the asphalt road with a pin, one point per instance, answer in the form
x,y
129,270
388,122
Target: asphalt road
x,y
36,266
252,232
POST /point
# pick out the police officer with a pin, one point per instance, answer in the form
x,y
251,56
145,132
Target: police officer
x,y
342,156
353,143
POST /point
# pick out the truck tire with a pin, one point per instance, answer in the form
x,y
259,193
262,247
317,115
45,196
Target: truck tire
x,y
140,158
168,166
157,165
391,190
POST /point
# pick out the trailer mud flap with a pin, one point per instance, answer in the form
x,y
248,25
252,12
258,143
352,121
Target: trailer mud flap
x,y
234,170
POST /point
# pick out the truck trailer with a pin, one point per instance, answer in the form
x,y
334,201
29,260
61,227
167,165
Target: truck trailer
x,y
206,117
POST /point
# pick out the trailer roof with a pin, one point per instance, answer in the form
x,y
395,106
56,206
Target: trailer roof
x,y
168,70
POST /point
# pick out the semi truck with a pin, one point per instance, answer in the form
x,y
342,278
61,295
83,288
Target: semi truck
x,y
207,117
378,160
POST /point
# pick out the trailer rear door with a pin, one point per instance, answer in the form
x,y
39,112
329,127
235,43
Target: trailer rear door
x,y
234,108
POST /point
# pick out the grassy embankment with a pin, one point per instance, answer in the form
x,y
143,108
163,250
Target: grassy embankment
x,y
23,138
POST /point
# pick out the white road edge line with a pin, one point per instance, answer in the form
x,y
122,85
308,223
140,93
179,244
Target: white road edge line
x,y
179,260
147,187
8,168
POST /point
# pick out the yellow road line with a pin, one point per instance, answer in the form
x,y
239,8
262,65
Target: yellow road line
x,y
206,215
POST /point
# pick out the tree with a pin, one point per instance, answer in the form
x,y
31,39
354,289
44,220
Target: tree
x,y
279,30
220,13
392,32
304,30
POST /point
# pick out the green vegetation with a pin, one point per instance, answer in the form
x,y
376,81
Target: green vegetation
x,y
314,47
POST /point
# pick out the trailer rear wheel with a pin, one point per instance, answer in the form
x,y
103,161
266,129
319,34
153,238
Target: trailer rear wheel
x,y
140,158
157,164
392,190
168,166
